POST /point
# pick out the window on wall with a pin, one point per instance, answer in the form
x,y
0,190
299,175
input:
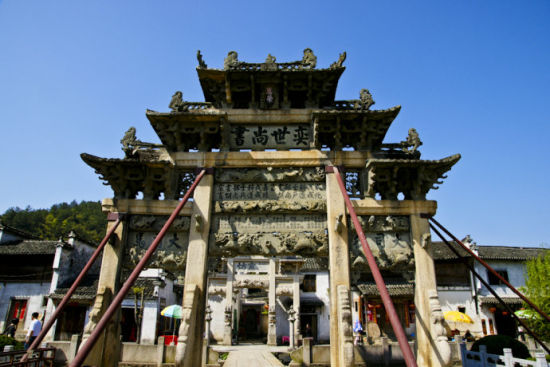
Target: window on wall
x,y
18,308
462,309
494,280
309,283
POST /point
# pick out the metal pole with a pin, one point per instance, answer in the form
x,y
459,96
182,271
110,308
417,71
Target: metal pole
x,y
493,292
388,305
525,299
102,324
47,326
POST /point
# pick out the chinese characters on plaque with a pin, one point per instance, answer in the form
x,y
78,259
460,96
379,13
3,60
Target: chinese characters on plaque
x,y
260,137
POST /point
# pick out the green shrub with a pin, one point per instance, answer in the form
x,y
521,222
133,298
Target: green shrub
x,y
8,340
496,343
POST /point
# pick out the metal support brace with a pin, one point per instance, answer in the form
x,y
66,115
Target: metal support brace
x,y
102,324
117,217
408,355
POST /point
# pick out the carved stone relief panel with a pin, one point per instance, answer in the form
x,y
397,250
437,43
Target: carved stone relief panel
x,y
389,240
171,254
269,212
268,244
270,191
251,281
301,174
284,288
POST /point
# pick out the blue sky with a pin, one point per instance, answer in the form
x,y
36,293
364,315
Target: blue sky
x,y
472,77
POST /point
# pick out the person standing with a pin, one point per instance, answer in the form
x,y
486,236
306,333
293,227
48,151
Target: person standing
x,y
34,330
10,330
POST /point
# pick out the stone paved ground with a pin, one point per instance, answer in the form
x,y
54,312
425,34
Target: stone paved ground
x,y
252,357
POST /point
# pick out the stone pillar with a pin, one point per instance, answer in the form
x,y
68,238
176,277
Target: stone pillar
x,y
340,356
296,306
433,349
272,319
188,352
291,320
106,351
228,331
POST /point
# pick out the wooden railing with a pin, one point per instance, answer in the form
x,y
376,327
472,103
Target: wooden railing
x,y
40,357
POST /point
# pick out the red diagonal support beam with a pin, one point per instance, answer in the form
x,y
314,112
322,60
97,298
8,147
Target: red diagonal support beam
x,y
482,262
386,299
493,292
47,326
115,304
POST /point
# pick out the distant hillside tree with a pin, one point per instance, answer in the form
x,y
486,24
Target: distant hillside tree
x,y
537,288
85,218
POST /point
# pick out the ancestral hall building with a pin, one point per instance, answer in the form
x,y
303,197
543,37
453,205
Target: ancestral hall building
x,y
271,136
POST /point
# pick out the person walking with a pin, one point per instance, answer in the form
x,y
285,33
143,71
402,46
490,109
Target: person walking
x,y
34,330
10,329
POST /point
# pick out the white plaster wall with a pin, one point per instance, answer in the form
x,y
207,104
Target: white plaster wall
x,y
149,322
450,299
282,322
33,292
516,276
323,321
217,305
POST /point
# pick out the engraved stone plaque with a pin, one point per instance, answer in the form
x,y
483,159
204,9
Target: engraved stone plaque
x,y
269,223
270,191
260,137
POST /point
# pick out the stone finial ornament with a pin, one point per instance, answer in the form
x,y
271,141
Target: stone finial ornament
x,y
340,62
309,59
365,99
231,61
202,64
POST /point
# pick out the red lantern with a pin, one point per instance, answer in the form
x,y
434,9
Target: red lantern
x,y
505,313
492,309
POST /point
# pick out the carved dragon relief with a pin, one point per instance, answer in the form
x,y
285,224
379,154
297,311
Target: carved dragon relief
x,y
270,174
268,244
389,240
284,291
171,254
271,206
251,283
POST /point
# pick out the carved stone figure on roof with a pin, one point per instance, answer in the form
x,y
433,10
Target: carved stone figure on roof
x,y
411,144
130,144
176,103
231,61
129,140
340,62
202,64
309,59
365,99
270,63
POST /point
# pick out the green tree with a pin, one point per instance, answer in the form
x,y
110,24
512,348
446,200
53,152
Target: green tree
x,y
85,218
537,288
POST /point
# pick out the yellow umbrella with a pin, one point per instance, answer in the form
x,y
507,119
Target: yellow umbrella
x,y
455,316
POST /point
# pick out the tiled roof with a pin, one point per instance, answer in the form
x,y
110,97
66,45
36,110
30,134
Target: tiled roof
x,y
314,264
489,300
442,252
16,231
28,247
85,291
397,288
